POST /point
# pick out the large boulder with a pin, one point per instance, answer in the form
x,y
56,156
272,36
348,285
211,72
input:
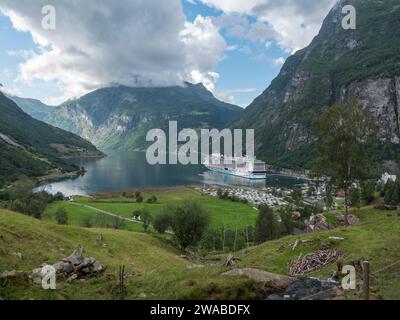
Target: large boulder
x,y
74,267
269,282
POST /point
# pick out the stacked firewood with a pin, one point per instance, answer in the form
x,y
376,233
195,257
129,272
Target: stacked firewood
x,y
313,262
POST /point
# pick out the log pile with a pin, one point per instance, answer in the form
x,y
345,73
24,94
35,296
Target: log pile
x,y
313,262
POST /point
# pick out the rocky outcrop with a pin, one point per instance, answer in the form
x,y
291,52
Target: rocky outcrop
x,y
310,289
380,97
75,266
269,282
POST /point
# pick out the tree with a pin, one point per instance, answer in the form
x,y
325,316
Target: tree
x,y
355,197
189,223
146,219
62,216
392,192
267,226
162,222
139,199
343,134
297,195
367,191
329,201
152,199
58,197
287,224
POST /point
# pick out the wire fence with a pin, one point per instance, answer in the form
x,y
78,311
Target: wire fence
x,y
378,280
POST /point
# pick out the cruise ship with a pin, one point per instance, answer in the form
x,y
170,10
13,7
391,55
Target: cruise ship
x,y
245,167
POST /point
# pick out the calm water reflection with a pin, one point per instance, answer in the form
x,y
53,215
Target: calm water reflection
x,y
130,170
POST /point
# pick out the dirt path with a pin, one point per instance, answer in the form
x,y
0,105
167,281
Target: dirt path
x,y
110,214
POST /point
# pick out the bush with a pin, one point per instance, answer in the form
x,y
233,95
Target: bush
x,y
146,219
58,197
152,200
162,222
62,216
189,223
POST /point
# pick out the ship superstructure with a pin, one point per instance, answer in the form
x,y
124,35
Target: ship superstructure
x,y
245,167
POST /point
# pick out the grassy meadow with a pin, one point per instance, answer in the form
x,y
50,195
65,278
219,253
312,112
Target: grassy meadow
x,y
224,213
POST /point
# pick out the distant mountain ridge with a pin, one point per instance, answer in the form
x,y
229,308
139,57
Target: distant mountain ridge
x,y
119,117
31,148
35,108
337,65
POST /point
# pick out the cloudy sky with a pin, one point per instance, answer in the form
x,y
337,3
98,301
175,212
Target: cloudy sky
x,y
235,47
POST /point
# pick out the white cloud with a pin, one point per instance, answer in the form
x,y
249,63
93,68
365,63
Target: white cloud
x,y
292,23
280,61
96,43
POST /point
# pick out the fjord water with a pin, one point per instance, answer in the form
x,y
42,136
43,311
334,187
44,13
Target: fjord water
x,y
121,171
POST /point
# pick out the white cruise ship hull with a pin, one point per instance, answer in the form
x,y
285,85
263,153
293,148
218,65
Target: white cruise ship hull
x,y
242,174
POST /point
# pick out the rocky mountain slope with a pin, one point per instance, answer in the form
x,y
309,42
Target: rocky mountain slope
x,y
337,65
32,148
119,117
35,108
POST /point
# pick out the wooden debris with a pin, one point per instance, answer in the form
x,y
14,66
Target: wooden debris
x,y
296,244
336,238
231,261
313,262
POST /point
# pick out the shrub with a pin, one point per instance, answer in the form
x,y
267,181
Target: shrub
x,y
146,219
139,199
152,199
62,216
162,222
189,222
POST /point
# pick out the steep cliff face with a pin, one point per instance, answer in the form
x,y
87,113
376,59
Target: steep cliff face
x,y
335,66
120,117
381,97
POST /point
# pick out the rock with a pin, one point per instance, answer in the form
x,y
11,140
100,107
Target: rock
x,y
76,257
72,278
317,223
17,254
352,219
309,289
76,265
270,282
14,277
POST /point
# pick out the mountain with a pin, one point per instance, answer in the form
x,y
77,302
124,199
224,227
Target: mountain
x,y
35,108
337,65
29,147
119,117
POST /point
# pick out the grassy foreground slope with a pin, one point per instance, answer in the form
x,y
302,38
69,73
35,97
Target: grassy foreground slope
x,y
155,268
157,271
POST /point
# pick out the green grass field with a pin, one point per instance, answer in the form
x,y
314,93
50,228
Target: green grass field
x,y
226,213
157,272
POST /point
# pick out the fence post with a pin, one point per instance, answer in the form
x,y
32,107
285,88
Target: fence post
x,y
366,279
